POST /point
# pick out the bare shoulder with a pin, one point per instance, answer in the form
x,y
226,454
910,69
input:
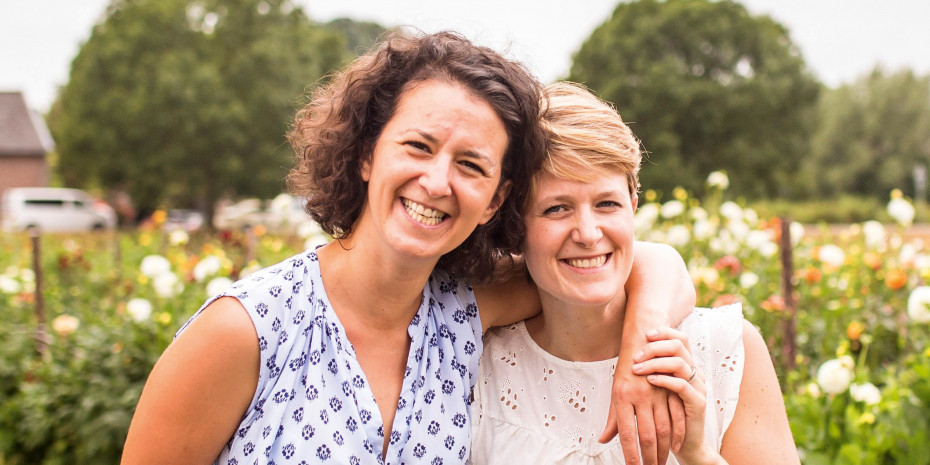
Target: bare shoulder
x,y
759,433
198,389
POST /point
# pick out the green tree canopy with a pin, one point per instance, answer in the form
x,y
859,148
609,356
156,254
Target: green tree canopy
x,y
871,135
705,86
183,101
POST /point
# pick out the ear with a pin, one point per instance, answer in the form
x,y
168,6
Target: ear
x,y
365,169
634,200
502,191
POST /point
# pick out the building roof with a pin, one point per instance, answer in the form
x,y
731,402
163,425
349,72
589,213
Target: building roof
x,y
22,131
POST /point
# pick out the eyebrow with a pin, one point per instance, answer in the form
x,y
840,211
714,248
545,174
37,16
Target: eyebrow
x,y
568,197
468,153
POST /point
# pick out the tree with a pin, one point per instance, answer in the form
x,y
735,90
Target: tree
x,y
705,86
871,136
184,101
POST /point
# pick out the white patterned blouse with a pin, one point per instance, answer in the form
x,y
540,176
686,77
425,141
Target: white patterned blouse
x,y
532,407
313,404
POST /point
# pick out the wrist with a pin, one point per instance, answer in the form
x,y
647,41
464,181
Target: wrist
x,y
705,456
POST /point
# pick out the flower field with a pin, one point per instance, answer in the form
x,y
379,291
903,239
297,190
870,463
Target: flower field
x,y
856,378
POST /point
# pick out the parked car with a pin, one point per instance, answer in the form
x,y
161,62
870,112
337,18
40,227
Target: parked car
x,y
282,214
186,220
54,209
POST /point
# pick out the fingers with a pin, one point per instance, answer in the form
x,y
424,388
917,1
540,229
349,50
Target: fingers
x,y
610,430
690,392
663,348
676,410
666,332
626,429
646,426
660,414
675,366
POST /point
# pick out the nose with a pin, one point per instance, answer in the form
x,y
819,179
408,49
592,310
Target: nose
x,y
587,231
435,177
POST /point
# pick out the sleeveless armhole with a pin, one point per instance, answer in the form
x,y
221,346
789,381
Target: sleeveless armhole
x,y
716,339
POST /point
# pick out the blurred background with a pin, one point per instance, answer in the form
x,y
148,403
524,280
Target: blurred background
x,y
142,158
814,109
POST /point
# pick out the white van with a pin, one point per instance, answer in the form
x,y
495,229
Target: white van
x,y
53,209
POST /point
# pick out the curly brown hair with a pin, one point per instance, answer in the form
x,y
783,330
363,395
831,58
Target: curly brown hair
x,y
337,130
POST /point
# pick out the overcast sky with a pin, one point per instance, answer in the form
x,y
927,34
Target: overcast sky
x,y
839,39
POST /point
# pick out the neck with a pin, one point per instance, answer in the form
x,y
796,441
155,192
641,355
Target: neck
x,y
370,289
579,333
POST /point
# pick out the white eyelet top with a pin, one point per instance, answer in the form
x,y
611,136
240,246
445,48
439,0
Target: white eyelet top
x,y
532,407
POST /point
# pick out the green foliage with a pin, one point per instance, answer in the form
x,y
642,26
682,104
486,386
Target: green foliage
x,y
852,286
870,136
183,101
74,403
705,86
844,209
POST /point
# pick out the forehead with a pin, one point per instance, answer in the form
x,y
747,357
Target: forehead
x,y
450,111
548,184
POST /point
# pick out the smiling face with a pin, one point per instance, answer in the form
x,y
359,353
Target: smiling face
x,y
579,238
435,171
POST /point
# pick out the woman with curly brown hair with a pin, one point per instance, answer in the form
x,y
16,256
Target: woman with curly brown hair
x,y
416,159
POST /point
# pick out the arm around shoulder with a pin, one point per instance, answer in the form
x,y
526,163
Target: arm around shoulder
x,y
198,390
507,302
659,287
759,432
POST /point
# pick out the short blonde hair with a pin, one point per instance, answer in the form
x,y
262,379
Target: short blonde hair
x,y
587,137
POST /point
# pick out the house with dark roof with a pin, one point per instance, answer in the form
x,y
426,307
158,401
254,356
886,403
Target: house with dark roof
x,y
24,144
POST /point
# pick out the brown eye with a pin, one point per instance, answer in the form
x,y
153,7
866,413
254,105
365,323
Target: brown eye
x,y
472,167
418,145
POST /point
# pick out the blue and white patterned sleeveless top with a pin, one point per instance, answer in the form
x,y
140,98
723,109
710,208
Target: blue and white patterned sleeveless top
x,y
313,403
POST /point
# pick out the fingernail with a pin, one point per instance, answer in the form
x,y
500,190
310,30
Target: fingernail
x,y
637,367
677,446
638,356
651,377
652,333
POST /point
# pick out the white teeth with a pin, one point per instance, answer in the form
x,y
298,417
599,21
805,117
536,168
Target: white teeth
x,y
421,214
587,262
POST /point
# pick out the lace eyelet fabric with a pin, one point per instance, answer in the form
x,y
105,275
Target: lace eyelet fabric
x,y
532,407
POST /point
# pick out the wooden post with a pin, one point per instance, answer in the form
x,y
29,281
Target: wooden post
x,y
117,254
41,333
789,348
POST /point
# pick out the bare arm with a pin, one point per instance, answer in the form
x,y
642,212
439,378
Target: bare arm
x,y
198,390
660,293
759,432
508,302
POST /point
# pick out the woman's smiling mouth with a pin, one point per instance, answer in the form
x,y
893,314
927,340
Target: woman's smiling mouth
x,y
590,262
421,214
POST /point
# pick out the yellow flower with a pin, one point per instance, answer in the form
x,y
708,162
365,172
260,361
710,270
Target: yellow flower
x,y
650,195
145,240
164,318
680,193
867,418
